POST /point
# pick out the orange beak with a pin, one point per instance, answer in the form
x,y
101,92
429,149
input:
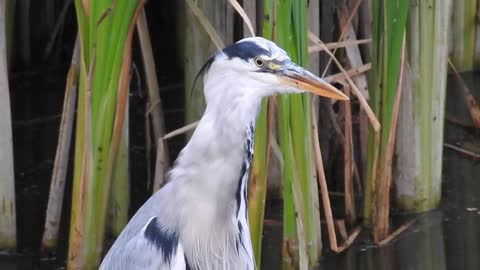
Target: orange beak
x,y
295,76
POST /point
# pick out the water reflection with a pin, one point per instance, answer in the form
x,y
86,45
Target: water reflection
x,y
420,247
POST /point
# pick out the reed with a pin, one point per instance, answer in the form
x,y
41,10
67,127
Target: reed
x,y
60,167
420,129
464,24
119,199
301,234
257,185
388,27
105,34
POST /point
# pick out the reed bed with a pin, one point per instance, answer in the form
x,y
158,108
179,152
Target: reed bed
x,y
394,71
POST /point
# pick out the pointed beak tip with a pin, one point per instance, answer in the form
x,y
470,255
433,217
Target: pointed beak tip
x,y
345,98
301,79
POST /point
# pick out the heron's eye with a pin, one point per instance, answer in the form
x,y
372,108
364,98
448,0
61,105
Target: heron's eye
x,y
259,62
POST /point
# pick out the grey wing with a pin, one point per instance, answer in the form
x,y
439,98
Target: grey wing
x,y
153,247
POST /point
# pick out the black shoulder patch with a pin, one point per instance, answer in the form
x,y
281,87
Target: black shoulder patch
x,y
245,50
163,240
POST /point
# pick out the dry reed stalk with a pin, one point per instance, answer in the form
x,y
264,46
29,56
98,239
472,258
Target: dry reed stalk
x,y
57,184
397,232
371,116
363,138
160,164
243,14
347,159
154,111
212,33
348,242
383,205
458,122
322,183
356,5
365,31
341,228
373,183
180,131
363,103
155,108
351,72
250,7
340,44
357,179
469,153
354,57
472,105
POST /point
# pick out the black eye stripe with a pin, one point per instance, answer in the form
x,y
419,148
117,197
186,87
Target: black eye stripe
x,y
245,50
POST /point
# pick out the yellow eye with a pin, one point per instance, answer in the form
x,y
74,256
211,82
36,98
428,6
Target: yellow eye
x,y
259,62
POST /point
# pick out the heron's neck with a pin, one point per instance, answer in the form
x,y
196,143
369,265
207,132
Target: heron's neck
x,y
212,174
215,154
229,117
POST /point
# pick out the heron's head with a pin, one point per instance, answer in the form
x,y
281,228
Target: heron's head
x,y
260,68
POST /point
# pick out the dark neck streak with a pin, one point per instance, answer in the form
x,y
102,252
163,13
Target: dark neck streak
x,y
241,193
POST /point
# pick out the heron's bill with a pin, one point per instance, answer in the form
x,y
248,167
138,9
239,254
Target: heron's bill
x,y
314,85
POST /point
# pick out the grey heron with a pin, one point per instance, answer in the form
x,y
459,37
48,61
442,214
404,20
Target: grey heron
x,y
198,220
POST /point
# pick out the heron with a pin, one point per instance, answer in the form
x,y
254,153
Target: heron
x,y
198,220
